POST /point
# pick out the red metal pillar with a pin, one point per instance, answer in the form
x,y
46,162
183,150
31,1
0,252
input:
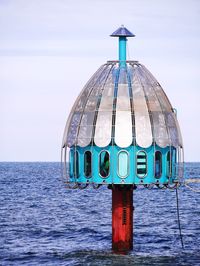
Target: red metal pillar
x,y
122,218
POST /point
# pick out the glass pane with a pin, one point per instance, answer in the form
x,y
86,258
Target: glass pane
x,y
160,133
101,81
73,129
73,121
158,164
88,164
141,164
86,128
123,129
123,122
142,119
164,101
91,85
104,164
173,131
123,161
103,128
160,130
76,164
91,104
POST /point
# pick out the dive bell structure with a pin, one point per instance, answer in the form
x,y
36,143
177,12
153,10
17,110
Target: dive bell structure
x,y
122,132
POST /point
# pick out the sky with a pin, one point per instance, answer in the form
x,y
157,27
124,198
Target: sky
x,y
50,48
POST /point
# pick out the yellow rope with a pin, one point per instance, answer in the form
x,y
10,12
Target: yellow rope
x,y
192,181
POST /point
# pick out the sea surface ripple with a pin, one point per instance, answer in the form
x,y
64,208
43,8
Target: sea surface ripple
x,y
43,223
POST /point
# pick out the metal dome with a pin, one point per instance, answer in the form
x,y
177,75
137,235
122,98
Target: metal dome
x,y
122,106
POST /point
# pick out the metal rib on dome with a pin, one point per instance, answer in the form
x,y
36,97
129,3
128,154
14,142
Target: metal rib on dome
x,y
125,106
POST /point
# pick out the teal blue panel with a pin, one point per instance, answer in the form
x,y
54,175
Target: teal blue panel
x,y
121,165
101,178
123,176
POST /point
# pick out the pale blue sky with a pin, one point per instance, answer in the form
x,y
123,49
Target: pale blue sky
x,y
50,48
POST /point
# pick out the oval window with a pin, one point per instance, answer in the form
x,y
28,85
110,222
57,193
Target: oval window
x,y
76,164
88,164
104,164
141,164
123,164
158,164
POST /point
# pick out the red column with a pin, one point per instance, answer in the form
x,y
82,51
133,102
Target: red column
x,y
122,218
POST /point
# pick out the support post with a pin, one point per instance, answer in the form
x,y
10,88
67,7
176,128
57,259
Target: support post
x,y
122,218
122,51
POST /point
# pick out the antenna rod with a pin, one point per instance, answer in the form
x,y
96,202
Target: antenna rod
x,y
122,33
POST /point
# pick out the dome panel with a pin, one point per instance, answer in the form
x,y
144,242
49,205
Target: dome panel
x,y
123,120
173,130
123,103
159,127
160,132
73,121
103,128
73,128
83,134
142,120
85,129
123,129
164,101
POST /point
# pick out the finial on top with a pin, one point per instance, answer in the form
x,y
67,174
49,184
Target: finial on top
x,y
122,32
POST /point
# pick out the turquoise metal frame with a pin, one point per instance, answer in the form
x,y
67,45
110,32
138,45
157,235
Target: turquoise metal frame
x,y
131,178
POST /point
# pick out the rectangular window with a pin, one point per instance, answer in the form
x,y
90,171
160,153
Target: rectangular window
x,y
88,164
158,164
169,164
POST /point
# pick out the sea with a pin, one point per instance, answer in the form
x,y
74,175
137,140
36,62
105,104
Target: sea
x,y
44,223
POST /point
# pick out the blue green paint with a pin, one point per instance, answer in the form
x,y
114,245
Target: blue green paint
x,y
122,51
131,178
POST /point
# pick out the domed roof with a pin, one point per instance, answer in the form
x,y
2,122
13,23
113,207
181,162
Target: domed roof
x,y
122,106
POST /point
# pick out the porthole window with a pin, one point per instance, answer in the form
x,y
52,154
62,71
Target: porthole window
x,y
123,164
104,164
76,164
169,164
88,164
158,164
141,164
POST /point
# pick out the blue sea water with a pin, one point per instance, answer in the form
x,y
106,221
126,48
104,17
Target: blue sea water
x,y
43,223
